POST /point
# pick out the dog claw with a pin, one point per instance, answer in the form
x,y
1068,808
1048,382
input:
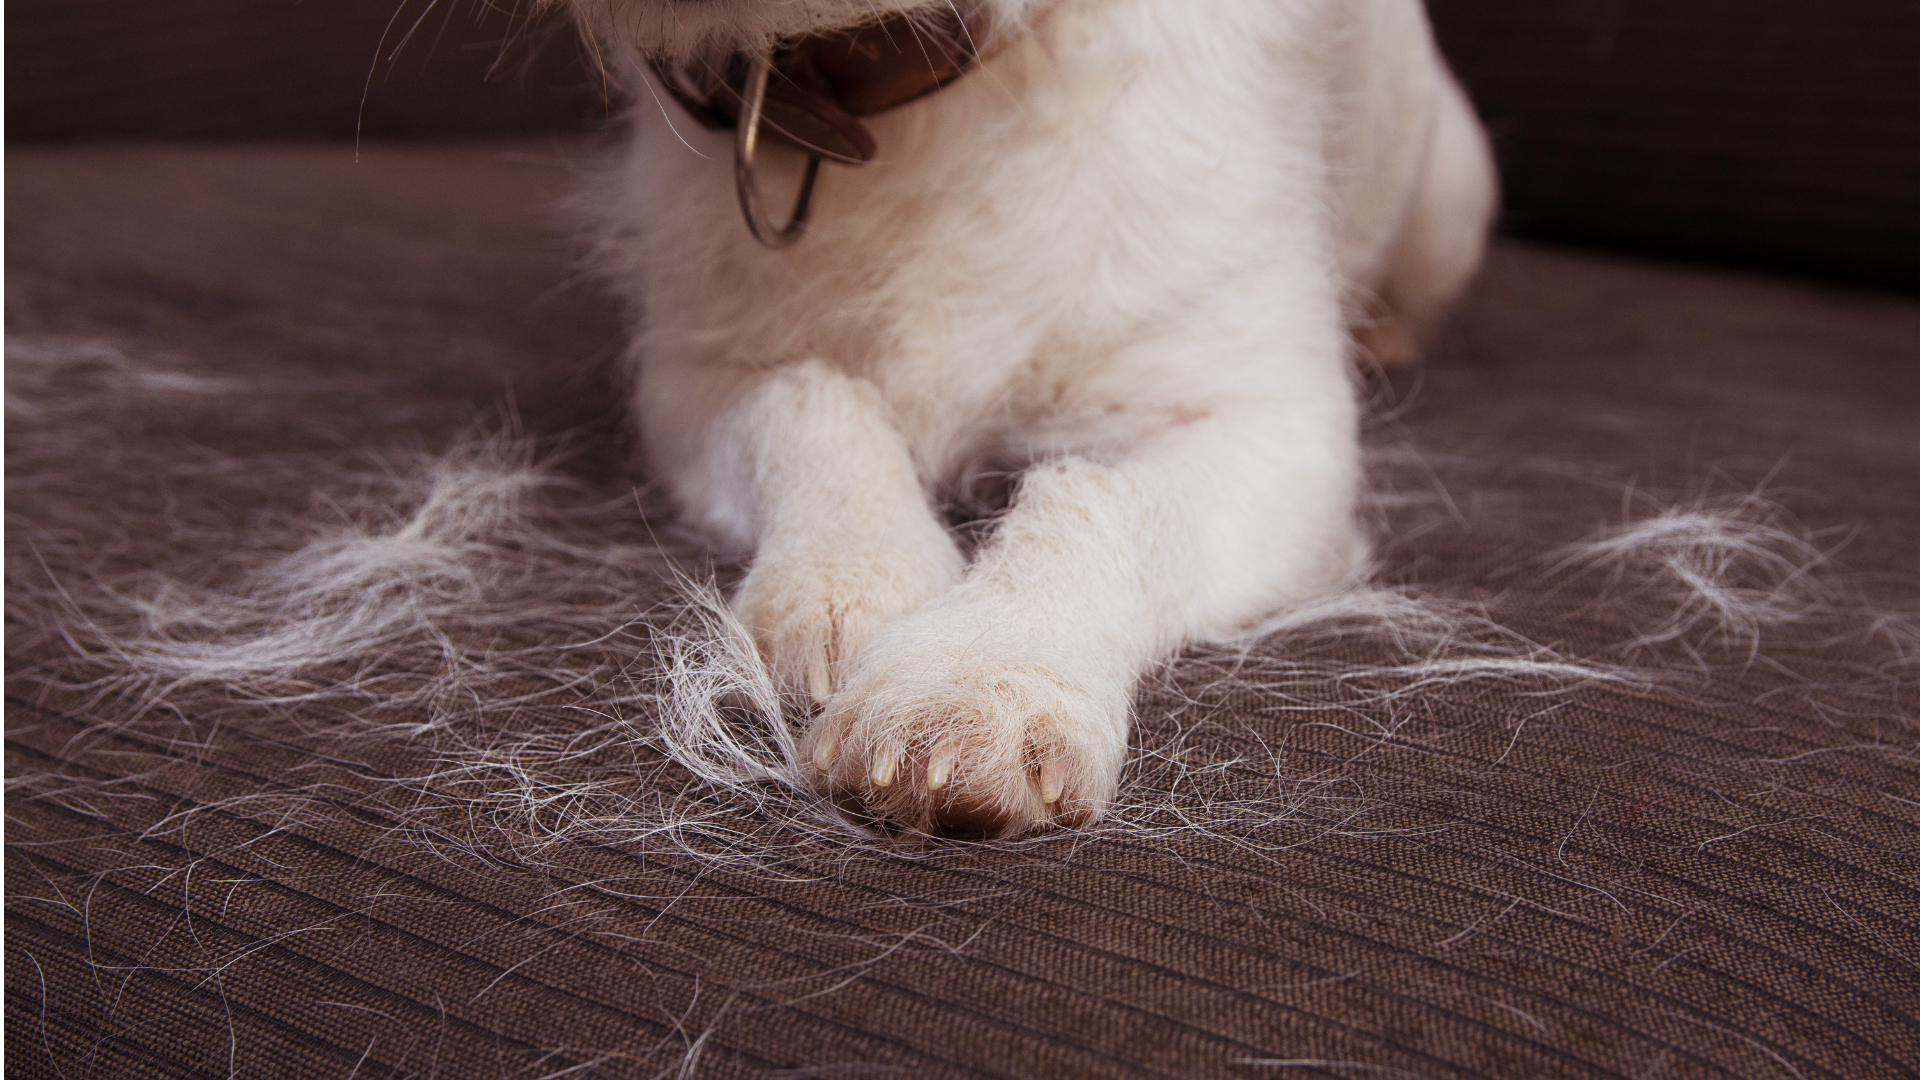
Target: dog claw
x,y
824,752
940,769
885,768
819,680
1051,783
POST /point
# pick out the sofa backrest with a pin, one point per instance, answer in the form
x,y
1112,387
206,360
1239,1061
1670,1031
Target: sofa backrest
x,y
1774,133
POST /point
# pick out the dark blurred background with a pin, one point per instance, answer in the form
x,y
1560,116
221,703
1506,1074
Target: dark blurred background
x,y
1777,134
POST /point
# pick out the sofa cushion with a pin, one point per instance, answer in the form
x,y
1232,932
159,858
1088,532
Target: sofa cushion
x,y
1612,773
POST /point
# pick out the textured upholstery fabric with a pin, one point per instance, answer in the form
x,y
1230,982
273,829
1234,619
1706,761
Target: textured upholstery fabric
x,y
1763,132
265,69
1712,873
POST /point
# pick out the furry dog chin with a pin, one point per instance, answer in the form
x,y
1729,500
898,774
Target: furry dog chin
x,y
1130,252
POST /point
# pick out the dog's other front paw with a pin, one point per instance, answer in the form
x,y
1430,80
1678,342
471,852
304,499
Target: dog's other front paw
x,y
811,613
943,730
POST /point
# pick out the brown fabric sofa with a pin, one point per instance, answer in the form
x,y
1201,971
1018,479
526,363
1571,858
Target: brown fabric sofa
x,y
1647,810
1712,873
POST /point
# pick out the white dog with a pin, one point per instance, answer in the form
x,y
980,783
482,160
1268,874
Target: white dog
x,y
1122,250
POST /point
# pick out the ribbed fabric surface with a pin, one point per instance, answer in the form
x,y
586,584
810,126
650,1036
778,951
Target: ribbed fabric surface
x,y
1770,132
265,69
1710,874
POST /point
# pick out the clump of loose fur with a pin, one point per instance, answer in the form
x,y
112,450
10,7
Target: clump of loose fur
x,y
473,655
1715,572
552,673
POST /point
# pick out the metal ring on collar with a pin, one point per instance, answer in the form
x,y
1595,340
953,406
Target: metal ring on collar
x,y
746,139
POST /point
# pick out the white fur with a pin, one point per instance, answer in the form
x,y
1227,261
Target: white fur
x,y
1123,256
475,613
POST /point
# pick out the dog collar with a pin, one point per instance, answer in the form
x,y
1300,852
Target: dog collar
x,y
812,95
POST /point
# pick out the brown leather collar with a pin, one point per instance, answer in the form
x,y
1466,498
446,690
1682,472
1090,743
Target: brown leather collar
x,y
824,83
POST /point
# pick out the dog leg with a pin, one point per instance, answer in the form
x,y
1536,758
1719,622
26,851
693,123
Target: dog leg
x,y
1005,703
1444,238
806,466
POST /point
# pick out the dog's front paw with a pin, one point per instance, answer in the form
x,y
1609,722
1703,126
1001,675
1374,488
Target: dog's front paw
x,y
811,613
943,729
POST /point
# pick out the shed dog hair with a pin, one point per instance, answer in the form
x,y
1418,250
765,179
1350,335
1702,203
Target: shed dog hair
x,y
1124,259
